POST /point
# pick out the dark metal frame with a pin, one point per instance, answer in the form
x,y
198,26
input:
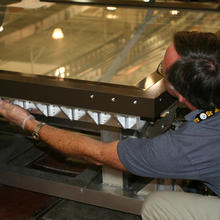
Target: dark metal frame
x,y
129,100
140,3
12,176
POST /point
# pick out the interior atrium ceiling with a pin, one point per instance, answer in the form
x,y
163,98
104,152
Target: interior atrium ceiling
x,y
119,45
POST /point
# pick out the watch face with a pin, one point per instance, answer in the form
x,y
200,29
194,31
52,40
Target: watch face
x,y
35,133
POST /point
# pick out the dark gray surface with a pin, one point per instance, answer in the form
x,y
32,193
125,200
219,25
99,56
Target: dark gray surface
x,y
67,210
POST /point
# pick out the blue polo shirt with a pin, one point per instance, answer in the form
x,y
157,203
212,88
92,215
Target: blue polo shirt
x,y
190,152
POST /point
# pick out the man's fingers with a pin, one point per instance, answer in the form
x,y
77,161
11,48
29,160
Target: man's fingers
x,y
13,113
2,107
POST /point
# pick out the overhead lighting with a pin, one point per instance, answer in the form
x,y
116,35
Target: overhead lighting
x,y
60,72
174,12
1,28
111,16
57,72
62,75
146,0
111,8
57,34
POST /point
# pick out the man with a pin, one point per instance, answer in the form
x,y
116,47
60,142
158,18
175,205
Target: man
x,y
192,67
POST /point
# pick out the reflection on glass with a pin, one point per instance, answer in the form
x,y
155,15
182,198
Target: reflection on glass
x,y
111,16
174,12
111,8
127,43
61,72
57,34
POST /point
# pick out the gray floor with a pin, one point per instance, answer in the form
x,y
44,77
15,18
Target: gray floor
x,y
66,210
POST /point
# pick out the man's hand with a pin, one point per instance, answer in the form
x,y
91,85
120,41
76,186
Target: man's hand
x,y
13,113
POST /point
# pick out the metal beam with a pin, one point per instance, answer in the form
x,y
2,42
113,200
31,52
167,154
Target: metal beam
x,y
141,3
10,175
85,94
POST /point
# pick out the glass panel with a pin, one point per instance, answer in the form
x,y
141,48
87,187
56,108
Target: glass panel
x,y
115,45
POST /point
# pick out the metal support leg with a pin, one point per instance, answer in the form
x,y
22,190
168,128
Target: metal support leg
x,y
111,176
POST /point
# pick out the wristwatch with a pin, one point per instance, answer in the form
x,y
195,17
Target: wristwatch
x,y
35,133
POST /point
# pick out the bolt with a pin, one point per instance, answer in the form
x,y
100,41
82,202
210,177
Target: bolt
x,y
135,102
113,99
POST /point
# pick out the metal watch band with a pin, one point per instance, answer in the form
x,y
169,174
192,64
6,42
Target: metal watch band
x,y
35,133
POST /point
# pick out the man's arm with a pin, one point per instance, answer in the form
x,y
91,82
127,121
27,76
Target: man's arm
x,y
70,143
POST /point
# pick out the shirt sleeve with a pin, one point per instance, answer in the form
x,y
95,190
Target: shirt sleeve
x,y
160,157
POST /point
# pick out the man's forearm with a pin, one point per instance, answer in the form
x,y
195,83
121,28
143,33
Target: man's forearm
x,y
78,145
70,143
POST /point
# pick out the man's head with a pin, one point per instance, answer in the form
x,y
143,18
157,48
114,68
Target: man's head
x,y
192,65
